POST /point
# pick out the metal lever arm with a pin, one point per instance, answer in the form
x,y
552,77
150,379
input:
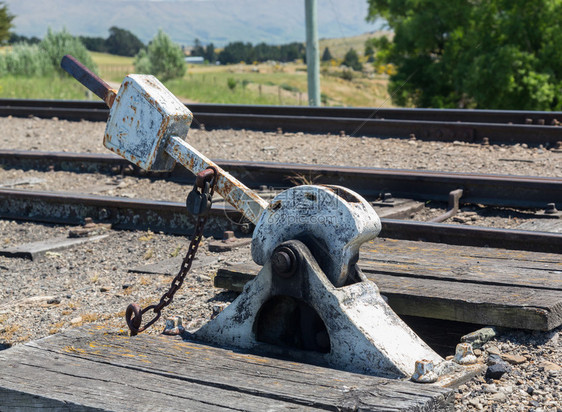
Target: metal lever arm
x,y
234,192
88,79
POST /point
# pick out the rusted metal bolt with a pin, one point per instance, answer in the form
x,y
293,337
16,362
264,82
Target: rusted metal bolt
x,y
424,372
173,326
550,209
387,197
228,236
104,214
284,262
464,354
217,309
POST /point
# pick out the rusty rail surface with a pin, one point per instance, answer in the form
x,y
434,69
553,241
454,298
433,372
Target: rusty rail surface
x,y
485,189
172,217
498,126
449,115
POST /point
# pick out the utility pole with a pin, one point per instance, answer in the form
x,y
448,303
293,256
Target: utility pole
x,y
312,53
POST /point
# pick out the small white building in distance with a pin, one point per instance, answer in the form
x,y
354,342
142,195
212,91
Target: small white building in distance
x,y
194,60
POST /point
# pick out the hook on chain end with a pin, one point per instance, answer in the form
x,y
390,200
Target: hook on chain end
x,y
133,316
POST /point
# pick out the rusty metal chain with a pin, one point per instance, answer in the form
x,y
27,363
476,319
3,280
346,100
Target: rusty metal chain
x,y
133,314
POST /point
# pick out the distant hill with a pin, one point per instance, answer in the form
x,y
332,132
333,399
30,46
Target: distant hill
x,y
217,21
340,45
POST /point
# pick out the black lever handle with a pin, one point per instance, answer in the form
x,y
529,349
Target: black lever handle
x,y
88,79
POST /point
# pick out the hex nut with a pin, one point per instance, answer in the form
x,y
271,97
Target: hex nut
x,y
173,326
464,355
424,372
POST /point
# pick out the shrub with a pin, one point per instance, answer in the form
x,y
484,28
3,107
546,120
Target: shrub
x,y
44,58
351,60
231,83
347,74
26,60
56,45
289,88
162,58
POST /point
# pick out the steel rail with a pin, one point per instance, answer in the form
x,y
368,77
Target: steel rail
x,y
448,115
172,217
485,189
425,124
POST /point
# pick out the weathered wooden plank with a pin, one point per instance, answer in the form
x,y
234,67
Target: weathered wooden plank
x,y
398,209
30,181
466,301
88,368
234,277
463,264
82,384
543,225
397,245
512,307
34,250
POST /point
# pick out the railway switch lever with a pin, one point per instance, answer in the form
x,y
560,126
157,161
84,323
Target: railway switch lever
x,y
310,300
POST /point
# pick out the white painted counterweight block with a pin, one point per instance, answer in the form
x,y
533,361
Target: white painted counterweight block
x,y
143,117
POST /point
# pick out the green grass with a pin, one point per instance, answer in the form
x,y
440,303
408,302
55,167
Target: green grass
x,y
113,68
51,87
213,88
111,59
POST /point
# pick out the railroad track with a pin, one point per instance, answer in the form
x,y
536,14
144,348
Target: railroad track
x,y
171,217
509,127
464,290
485,189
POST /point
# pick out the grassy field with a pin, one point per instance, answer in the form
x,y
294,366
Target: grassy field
x,y
113,68
43,88
270,84
278,85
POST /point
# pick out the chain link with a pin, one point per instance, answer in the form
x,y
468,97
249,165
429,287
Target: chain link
x,y
133,314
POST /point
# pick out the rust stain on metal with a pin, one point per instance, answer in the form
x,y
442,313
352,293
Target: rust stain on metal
x,y
154,103
275,205
109,98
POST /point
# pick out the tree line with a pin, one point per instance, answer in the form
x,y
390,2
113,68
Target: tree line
x,y
236,52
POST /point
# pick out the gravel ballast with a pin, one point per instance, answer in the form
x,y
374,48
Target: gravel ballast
x,y
61,135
